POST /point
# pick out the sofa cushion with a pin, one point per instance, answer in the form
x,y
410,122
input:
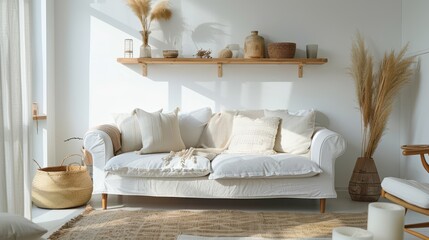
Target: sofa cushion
x,y
410,191
13,226
192,125
160,131
253,135
259,113
218,130
128,125
227,166
295,130
152,165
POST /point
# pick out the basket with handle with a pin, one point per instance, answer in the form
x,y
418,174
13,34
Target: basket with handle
x,y
62,186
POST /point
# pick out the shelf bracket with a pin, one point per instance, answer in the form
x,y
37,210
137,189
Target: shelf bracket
x,y
300,70
144,69
219,70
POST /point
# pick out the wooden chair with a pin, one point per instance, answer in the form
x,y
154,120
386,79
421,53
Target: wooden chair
x,y
408,193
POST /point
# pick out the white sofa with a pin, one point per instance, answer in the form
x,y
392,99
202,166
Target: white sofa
x,y
227,176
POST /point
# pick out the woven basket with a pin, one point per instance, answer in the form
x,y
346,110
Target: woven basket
x,y
281,50
61,186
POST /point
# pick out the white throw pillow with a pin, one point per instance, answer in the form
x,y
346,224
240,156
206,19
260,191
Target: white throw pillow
x,y
192,125
253,135
128,125
284,165
16,227
295,130
153,165
218,130
160,131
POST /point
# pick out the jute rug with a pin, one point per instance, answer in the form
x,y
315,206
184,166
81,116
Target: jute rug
x,y
164,224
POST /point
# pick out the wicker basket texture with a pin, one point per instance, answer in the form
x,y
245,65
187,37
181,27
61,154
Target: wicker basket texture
x,y
281,50
61,187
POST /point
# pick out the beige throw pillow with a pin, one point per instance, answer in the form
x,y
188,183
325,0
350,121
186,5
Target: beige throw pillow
x,y
253,135
128,125
217,131
295,130
160,131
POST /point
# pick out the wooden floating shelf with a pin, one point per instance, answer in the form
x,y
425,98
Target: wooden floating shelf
x,y
220,61
40,117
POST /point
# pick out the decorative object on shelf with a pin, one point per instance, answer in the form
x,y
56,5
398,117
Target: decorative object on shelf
x,y
281,50
235,49
375,95
146,14
170,53
311,50
35,113
203,53
254,46
225,53
351,233
386,221
128,48
62,186
34,109
145,49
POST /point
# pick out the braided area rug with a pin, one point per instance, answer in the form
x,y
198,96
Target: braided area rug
x,y
166,224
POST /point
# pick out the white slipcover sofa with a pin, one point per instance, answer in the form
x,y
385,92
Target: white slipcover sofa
x,y
235,173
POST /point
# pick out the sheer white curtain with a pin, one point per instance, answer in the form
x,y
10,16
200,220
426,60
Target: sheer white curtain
x,y
15,117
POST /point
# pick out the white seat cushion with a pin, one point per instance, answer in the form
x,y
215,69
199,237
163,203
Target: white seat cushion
x,y
152,165
227,166
408,190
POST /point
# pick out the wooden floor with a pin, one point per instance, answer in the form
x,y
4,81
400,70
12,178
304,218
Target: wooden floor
x,y
53,219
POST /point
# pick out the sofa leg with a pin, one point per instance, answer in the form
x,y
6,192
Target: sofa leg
x,y
322,205
104,201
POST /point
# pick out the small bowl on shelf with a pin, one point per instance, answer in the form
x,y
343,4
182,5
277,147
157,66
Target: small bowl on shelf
x,y
170,53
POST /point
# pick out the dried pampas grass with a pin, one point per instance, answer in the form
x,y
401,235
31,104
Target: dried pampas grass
x,y
146,14
376,93
161,11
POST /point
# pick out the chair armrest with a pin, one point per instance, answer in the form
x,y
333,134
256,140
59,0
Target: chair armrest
x,y
326,147
415,149
99,144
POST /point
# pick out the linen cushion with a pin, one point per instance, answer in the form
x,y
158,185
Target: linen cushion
x,y
295,130
152,165
218,130
410,191
160,131
284,165
16,227
192,125
253,135
131,138
252,113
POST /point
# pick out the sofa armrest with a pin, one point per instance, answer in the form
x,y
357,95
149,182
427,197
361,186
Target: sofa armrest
x,y
99,144
326,147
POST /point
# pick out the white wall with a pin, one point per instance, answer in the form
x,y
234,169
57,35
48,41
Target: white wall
x,y
414,101
90,84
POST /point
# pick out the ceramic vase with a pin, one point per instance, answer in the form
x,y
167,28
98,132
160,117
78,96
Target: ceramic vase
x,y
365,185
254,46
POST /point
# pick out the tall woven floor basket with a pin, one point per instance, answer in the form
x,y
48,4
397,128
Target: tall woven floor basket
x,y
61,186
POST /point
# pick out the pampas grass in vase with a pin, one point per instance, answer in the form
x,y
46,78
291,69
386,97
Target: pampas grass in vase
x,y
147,14
375,94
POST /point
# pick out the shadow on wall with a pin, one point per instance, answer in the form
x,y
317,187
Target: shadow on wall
x,y
208,33
241,86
